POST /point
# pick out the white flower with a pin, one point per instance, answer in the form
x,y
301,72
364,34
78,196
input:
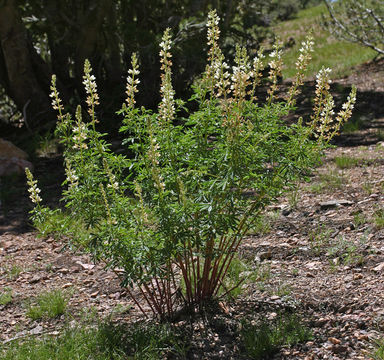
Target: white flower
x,y
33,189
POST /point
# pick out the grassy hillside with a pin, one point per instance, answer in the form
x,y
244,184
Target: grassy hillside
x,y
338,55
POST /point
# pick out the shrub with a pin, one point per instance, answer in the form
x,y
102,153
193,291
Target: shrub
x,y
181,205
359,21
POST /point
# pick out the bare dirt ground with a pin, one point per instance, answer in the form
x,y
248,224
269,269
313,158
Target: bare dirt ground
x,y
323,254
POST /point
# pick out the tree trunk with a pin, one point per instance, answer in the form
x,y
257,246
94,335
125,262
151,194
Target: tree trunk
x,y
22,80
90,32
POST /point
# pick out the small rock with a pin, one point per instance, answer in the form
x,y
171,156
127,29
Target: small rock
x,y
321,322
35,279
67,285
334,203
379,267
314,265
362,337
94,294
36,330
86,266
334,341
286,211
12,159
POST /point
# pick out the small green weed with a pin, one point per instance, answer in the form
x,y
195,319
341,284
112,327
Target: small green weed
x,y
13,272
359,219
241,272
293,197
46,145
59,224
354,124
264,340
379,218
330,181
345,253
48,305
346,162
378,353
48,267
380,135
236,275
282,290
367,187
6,296
263,224
319,239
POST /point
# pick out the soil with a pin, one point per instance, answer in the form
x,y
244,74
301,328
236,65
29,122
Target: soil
x,y
324,254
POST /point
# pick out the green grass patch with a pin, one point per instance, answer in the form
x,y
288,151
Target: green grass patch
x,y
379,218
48,305
264,223
338,55
359,219
378,353
356,123
263,340
58,223
330,181
346,162
6,296
241,272
344,253
12,272
319,239
380,135
105,341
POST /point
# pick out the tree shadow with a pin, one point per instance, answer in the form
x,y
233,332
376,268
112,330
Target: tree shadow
x,y
14,197
366,126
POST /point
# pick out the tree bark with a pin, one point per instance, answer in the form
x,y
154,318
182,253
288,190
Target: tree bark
x,y
90,32
22,81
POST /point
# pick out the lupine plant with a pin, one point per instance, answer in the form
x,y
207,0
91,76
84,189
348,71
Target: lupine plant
x,y
170,218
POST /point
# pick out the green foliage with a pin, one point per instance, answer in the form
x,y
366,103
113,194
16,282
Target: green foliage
x,y
240,272
355,124
196,183
329,181
48,305
319,239
263,224
6,296
13,272
379,218
263,340
359,219
345,253
102,342
345,162
62,224
378,353
358,21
